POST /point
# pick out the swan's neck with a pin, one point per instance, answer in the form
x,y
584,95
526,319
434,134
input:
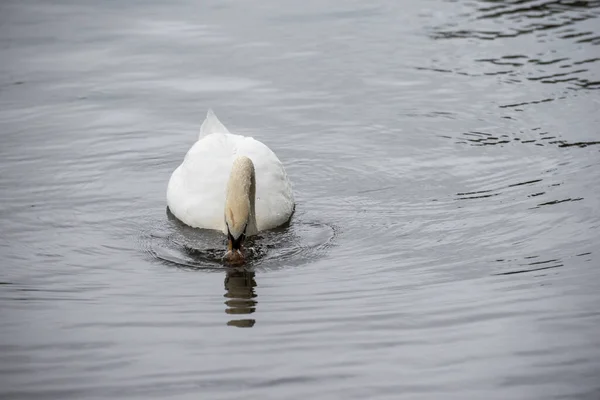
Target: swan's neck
x,y
240,215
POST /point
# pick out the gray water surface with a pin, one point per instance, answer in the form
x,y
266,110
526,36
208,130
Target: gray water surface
x,y
445,157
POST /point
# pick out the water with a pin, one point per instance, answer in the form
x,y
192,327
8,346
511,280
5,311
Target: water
x,y
445,159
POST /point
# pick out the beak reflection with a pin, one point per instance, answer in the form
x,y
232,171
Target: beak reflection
x,y
240,295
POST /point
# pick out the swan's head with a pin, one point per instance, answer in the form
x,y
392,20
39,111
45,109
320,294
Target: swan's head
x,y
239,207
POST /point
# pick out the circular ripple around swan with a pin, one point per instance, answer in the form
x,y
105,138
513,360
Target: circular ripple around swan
x,y
295,244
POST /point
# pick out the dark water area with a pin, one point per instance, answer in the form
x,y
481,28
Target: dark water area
x,y
445,157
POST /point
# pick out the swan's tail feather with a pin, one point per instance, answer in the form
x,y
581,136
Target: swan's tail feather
x,y
211,125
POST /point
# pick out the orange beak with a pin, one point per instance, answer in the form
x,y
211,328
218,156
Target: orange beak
x,y
234,250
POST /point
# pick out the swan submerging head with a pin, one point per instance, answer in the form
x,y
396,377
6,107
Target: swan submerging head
x,y
240,215
215,188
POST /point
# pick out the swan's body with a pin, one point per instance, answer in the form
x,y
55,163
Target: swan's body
x,y
230,183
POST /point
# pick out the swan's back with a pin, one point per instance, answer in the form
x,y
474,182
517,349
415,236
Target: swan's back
x,y
196,190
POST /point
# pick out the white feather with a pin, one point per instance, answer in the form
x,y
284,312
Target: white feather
x,y
196,190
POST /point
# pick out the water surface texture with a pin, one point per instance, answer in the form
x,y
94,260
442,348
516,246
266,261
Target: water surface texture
x,y
445,157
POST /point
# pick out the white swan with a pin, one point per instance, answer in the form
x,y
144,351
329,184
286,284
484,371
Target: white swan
x,y
230,183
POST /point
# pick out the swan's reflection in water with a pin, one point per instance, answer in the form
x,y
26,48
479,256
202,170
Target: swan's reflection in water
x,y
240,294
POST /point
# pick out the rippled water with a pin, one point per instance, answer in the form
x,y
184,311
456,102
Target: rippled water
x,y
445,158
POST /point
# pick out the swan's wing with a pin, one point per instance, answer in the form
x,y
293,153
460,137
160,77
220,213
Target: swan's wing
x,y
274,197
211,125
196,190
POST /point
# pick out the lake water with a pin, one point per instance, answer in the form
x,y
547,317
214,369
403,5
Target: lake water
x,y
445,157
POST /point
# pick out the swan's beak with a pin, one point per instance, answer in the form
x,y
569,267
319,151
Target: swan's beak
x,y
234,248
234,244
